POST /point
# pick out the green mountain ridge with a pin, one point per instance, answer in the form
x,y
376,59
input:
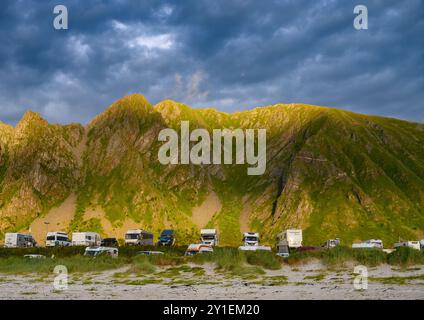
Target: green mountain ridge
x,y
331,172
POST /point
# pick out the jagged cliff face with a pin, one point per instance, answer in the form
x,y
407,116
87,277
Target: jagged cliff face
x,y
39,168
329,172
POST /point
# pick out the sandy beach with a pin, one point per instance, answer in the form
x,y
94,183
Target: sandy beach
x,y
308,281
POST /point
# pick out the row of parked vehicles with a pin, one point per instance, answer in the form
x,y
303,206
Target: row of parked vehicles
x,y
59,238
287,241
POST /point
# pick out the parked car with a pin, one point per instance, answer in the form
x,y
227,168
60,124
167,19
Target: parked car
x,y
34,256
194,249
97,251
369,244
166,238
109,242
410,244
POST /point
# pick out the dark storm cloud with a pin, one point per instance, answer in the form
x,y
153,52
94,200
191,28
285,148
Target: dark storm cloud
x,y
232,55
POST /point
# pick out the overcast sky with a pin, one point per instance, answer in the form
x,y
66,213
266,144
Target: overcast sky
x,y
232,55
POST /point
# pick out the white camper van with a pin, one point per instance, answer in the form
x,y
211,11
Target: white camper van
x,y
410,244
250,239
209,237
369,244
88,239
139,237
57,238
19,240
251,242
293,237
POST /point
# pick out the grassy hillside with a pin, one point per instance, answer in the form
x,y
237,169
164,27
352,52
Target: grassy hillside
x,y
330,172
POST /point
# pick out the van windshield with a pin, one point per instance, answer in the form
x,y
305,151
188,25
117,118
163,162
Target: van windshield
x,y
91,253
251,239
208,237
51,238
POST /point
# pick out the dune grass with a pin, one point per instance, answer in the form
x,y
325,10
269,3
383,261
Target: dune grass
x,y
225,259
398,280
406,257
370,257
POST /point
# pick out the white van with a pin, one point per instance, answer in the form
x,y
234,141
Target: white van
x,y
96,251
88,239
57,238
139,237
19,240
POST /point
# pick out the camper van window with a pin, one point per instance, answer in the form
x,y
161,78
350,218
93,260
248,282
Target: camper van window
x,y
209,237
250,239
50,238
132,236
88,237
62,239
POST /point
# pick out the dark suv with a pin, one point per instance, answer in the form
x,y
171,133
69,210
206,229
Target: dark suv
x,y
166,238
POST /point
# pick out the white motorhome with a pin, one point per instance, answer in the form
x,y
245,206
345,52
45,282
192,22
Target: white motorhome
x,y
293,237
251,242
209,237
96,251
250,239
57,238
369,244
19,240
410,244
88,239
139,237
